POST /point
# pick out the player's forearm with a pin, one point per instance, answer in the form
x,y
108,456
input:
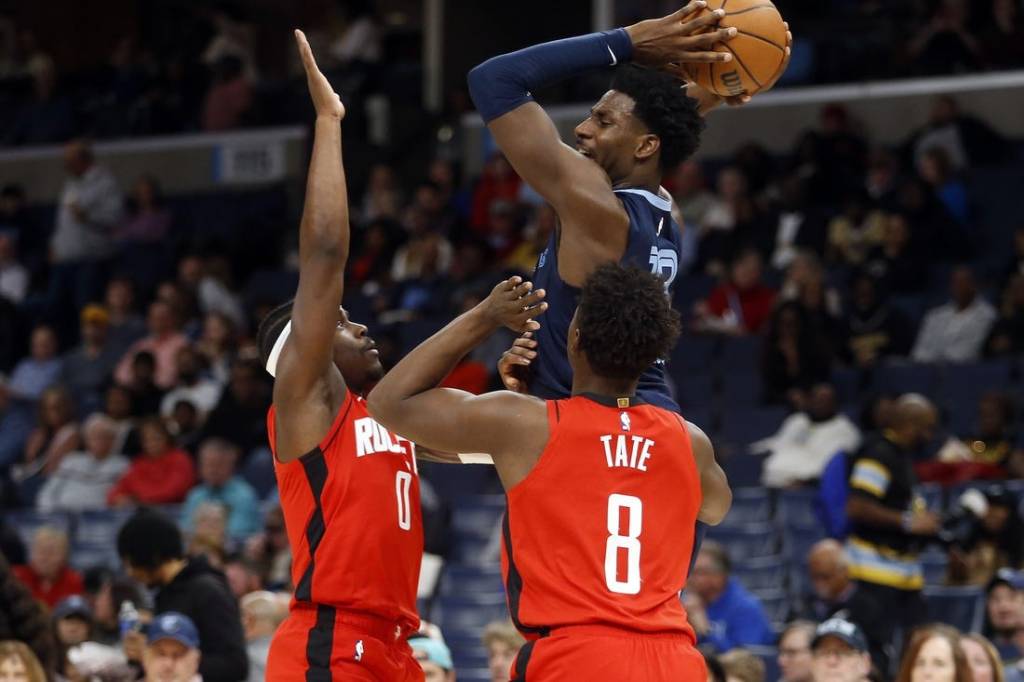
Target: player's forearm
x,y
504,83
325,229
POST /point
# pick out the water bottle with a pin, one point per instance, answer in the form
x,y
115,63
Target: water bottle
x,y
128,618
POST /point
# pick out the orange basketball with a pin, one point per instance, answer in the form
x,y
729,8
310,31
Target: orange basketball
x,y
757,49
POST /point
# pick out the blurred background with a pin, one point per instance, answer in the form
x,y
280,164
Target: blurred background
x,y
851,236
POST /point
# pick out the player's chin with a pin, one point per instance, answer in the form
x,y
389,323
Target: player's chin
x,y
375,370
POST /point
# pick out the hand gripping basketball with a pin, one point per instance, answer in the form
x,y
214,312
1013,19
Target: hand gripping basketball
x,y
688,35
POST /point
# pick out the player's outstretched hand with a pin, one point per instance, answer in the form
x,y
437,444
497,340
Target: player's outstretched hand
x,y
688,35
325,100
514,363
513,303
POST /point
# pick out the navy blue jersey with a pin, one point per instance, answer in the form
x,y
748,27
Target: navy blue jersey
x,y
654,242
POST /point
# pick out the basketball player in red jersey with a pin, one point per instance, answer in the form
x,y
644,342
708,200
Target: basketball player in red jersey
x,y
349,489
603,489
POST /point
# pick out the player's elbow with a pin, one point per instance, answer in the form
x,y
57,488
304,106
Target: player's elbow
x,y
478,78
381,405
715,507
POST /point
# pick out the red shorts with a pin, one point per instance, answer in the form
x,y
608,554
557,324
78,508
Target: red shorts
x,y
602,653
323,644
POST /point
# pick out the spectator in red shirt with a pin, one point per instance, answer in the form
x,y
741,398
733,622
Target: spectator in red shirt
x,y
162,474
743,304
498,181
47,574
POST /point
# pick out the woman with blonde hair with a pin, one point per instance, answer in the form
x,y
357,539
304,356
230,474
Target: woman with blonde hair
x,y
935,654
19,664
982,658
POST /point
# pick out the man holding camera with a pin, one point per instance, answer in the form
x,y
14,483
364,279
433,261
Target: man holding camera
x,y
888,521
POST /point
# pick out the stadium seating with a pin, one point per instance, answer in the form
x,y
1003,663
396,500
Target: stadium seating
x,y
961,607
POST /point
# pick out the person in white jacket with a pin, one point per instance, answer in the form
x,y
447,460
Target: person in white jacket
x,y
82,480
806,441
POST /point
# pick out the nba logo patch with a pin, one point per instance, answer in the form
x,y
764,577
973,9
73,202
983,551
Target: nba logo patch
x,y
359,650
543,258
624,421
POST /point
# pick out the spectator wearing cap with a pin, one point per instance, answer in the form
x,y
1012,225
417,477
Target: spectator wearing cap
x,y
435,659
172,651
722,612
86,369
47,574
502,641
219,484
1004,614
840,653
72,620
153,553
85,477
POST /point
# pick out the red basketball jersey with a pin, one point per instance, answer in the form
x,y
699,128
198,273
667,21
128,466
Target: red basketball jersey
x,y
601,530
352,511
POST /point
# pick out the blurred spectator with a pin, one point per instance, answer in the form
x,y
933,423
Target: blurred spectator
x,y
383,197
807,440
498,181
995,434
795,356
150,546
873,329
125,326
371,262
84,478
843,154
219,484
691,195
209,282
997,542
730,220
716,673
80,657
945,45
835,595
982,658
360,42
956,331
146,396
218,345
887,518
262,612
805,283
936,169
185,425
229,98
1007,335
720,609
88,212
967,140
17,223
14,276
840,653
243,576
740,306
934,652
111,593
87,369
163,341
19,664
896,264
241,414
56,435
855,231
47,573
503,229
1004,614
1002,39
48,117
172,650
537,235
118,406
795,651
270,551
435,659
742,666
25,619
426,254
19,396
799,226
161,474
72,619
191,387
502,642
208,539
882,178
147,221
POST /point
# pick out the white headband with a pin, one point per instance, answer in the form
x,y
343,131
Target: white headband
x,y
275,352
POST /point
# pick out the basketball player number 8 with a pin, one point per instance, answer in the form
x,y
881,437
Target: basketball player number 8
x,y
629,542
403,480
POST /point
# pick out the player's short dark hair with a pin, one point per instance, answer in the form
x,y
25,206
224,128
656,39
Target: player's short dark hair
x,y
271,327
148,540
663,106
626,321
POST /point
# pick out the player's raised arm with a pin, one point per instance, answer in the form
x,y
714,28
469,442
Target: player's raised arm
x,y
572,183
305,370
717,496
408,402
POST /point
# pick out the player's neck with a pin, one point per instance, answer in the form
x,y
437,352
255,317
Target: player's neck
x,y
640,179
612,388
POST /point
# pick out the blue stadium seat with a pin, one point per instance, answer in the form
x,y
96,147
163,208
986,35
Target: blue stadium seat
x,y
742,468
90,555
741,354
466,615
900,377
460,578
769,655
766,573
963,607
747,542
476,527
27,522
776,604
936,565
797,541
744,425
692,354
741,387
694,390
795,508
100,527
749,505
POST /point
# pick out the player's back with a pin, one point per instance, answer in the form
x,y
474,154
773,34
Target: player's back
x,y
653,244
600,532
352,512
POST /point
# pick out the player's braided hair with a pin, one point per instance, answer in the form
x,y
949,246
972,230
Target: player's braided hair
x,y
626,321
662,105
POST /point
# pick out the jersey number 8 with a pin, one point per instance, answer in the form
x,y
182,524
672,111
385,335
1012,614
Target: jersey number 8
x,y
629,542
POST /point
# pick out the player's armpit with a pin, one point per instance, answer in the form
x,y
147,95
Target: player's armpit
x,y
716,496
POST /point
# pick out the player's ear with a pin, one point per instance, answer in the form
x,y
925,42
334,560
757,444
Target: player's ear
x,y
647,147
